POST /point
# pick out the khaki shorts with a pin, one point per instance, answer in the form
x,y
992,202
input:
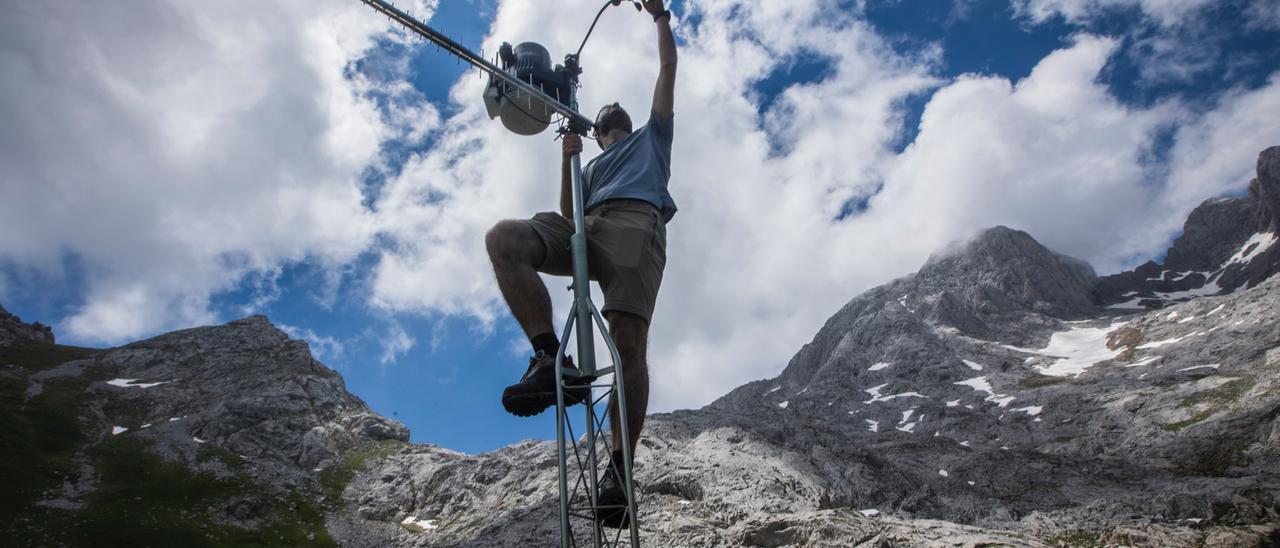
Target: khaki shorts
x,y
626,252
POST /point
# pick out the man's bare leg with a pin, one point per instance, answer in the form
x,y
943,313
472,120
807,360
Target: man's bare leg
x,y
515,250
631,333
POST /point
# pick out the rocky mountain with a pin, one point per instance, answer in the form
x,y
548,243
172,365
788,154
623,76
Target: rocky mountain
x,y
1002,395
1226,244
13,331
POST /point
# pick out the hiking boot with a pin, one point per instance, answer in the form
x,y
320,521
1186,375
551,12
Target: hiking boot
x,y
536,391
611,491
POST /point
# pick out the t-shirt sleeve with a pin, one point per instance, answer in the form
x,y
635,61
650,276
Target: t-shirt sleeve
x,y
662,126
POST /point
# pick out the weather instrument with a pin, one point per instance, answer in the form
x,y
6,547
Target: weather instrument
x,y
528,94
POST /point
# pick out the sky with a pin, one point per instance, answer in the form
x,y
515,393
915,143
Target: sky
x,y
173,164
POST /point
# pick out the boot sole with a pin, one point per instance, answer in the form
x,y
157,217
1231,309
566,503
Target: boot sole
x,y
616,518
528,405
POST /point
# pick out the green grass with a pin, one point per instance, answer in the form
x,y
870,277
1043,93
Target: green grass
x,y
1176,426
38,357
1077,538
334,479
139,498
142,499
208,452
1222,395
1217,399
38,438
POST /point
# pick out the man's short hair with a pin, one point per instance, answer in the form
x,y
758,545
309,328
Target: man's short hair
x,y
615,119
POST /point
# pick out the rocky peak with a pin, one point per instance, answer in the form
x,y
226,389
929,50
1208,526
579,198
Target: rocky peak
x,y
1211,234
1226,244
248,387
1265,190
1004,269
13,331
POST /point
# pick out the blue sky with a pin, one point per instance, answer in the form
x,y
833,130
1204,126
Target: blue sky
x,y
341,181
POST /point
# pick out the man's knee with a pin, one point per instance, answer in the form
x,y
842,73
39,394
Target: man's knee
x,y
630,333
510,240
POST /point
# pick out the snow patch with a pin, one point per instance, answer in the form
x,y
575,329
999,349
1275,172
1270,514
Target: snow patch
x,y
198,440
427,524
117,430
1032,410
1216,310
774,389
870,512
873,426
1144,361
875,394
1158,344
977,383
1074,350
1252,247
1131,304
879,366
980,384
908,427
1209,366
943,473
1205,291
125,383
953,403
973,365
783,404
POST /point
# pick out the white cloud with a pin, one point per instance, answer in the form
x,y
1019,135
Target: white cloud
x,y
1174,40
1166,12
174,148
323,347
1053,153
1263,15
755,261
394,342
185,167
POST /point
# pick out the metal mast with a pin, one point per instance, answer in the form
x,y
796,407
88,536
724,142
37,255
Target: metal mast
x,y
579,500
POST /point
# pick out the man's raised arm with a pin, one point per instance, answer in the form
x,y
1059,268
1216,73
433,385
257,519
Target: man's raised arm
x,y
664,90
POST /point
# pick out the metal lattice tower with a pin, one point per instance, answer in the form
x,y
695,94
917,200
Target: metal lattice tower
x,y
580,464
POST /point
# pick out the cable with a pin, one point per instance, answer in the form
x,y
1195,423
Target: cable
x,y
606,5
508,97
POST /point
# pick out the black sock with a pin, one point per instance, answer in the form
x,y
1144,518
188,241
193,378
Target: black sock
x,y
546,342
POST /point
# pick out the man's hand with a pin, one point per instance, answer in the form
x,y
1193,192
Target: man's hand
x,y
572,144
654,7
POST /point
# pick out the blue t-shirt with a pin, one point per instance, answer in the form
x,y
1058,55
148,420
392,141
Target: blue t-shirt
x,y
637,168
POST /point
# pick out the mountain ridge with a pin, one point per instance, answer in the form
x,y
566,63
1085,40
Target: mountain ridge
x,y
997,396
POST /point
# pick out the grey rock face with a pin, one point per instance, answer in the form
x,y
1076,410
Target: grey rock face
x,y
1003,270
249,388
13,331
930,402
1265,190
1226,244
1212,234
985,400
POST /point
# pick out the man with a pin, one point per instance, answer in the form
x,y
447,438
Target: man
x,y
627,208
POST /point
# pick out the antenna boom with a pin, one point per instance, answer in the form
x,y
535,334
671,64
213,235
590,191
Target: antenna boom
x,y
578,122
